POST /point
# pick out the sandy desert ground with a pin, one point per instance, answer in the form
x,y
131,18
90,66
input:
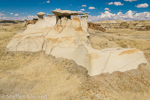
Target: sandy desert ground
x,y
48,78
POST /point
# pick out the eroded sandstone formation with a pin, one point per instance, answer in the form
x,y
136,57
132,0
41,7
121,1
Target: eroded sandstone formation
x,y
62,36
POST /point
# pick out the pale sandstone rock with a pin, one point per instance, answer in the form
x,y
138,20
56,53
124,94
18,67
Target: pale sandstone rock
x,y
68,39
51,19
64,12
84,24
40,15
32,38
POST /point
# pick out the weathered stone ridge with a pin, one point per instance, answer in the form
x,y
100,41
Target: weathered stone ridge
x,y
62,36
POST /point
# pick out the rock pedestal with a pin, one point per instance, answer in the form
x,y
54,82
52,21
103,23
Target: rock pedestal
x,y
84,24
40,15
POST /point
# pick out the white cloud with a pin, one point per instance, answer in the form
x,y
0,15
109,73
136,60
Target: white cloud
x,y
45,2
107,14
57,9
130,0
129,15
29,17
106,9
116,3
48,1
11,13
145,5
82,9
84,5
1,14
91,7
16,15
110,3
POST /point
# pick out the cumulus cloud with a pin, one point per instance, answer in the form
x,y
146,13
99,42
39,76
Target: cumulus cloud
x,y
116,3
57,9
106,9
130,0
16,15
11,13
82,9
129,15
84,5
48,1
91,7
145,5
110,3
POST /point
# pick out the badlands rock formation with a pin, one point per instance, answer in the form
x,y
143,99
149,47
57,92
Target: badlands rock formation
x,y
96,26
62,36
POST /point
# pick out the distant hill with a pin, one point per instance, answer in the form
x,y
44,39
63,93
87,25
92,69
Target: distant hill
x,y
120,21
11,21
107,21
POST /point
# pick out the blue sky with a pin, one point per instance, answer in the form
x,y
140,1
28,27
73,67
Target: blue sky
x,y
25,8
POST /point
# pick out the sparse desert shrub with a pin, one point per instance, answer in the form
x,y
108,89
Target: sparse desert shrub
x,y
124,25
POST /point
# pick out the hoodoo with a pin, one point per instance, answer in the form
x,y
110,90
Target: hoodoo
x,y
84,22
61,36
